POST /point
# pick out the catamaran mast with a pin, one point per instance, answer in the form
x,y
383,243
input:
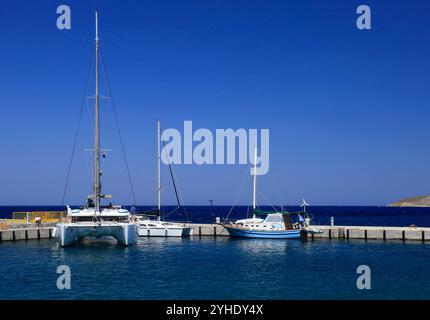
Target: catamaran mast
x,y
158,170
97,185
255,183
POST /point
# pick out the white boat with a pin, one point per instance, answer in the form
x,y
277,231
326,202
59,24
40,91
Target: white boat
x,y
276,225
81,223
95,220
156,227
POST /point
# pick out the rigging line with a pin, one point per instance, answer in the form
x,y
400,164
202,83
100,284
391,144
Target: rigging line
x,y
277,193
176,185
171,212
117,124
264,197
173,179
77,128
179,191
180,196
90,116
237,193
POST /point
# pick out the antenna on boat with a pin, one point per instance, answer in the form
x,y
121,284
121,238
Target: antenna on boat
x,y
158,170
255,183
97,185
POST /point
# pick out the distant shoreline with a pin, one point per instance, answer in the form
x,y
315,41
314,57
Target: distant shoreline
x,y
417,202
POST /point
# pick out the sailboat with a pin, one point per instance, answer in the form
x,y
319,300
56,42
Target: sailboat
x,y
276,225
95,220
149,227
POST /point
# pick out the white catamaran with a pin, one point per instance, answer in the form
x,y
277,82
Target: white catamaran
x,y
95,220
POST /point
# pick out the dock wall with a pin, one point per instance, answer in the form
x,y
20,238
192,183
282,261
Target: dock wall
x,y
372,233
336,232
28,232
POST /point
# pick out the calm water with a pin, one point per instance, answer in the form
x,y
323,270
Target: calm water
x,y
219,268
223,268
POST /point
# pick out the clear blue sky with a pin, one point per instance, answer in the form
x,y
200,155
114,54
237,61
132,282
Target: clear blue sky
x,y
348,110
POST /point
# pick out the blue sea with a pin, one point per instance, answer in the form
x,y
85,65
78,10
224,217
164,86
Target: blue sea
x,y
224,268
343,215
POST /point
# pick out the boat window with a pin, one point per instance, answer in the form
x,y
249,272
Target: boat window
x,y
274,218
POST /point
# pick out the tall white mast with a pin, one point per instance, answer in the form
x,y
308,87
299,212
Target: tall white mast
x,y
97,185
158,169
255,182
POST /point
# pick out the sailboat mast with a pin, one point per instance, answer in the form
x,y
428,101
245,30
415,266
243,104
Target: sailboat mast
x,y
254,197
97,186
158,169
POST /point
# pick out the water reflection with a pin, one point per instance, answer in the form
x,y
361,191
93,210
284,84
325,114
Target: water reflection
x,y
259,246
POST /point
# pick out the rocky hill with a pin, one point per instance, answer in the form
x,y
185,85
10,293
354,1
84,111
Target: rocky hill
x,y
421,201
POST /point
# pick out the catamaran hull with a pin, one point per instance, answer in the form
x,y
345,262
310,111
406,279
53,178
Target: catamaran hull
x,y
70,234
246,233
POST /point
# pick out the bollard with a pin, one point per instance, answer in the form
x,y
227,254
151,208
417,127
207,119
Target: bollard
x,y
332,221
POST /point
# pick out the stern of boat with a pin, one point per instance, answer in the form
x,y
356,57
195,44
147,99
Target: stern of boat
x,y
127,234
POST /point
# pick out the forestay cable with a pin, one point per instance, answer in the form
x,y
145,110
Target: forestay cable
x,y
77,128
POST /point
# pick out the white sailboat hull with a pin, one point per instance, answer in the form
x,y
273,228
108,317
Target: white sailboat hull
x,y
150,228
160,232
72,233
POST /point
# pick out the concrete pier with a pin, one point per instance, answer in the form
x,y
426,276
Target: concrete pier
x,y
375,233
26,234
30,231
336,232
207,229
